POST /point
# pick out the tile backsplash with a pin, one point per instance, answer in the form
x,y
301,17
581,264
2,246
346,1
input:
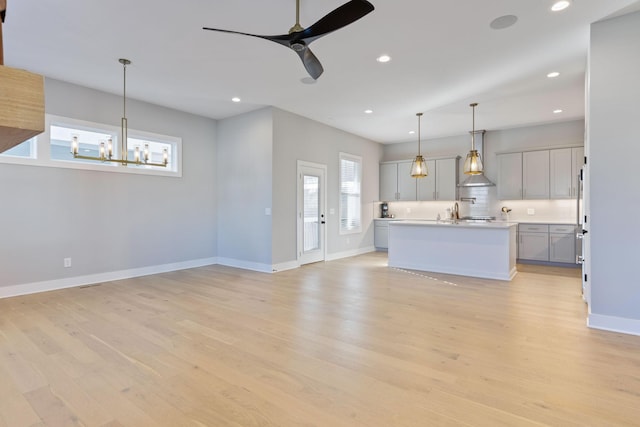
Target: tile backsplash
x,y
486,203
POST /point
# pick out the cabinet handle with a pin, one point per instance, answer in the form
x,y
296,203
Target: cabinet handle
x,y
571,191
434,195
438,195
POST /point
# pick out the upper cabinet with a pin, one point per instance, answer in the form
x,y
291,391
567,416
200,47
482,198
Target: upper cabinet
x,y
427,185
565,165
396,182
510,176
540,174
535,175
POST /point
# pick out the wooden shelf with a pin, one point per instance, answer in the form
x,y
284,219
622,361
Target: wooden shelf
x,y
21,106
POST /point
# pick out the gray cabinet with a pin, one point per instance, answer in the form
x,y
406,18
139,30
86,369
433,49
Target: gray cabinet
x,y
533,242
562,243
547,242
540,174
442,181
427,185
565,165
535,175
510,176
381,233
396,182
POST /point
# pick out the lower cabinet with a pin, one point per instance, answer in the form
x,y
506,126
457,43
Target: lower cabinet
x,y
381,233
533,242
562,243
547,242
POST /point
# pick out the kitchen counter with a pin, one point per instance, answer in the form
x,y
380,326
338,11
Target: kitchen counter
x,y
486,250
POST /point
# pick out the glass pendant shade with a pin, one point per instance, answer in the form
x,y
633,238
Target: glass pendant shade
x,y
473,162
419,165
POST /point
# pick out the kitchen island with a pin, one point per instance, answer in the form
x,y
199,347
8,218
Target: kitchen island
x,y
486,250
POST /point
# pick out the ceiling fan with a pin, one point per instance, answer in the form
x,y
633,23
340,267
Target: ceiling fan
x,y
299,38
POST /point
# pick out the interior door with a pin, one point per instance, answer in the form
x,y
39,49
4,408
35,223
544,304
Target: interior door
x,y
311,212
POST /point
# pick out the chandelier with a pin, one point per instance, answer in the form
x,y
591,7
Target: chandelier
x,y
105,149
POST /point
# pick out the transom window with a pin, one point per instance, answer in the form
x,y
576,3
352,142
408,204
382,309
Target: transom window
x,y
54,148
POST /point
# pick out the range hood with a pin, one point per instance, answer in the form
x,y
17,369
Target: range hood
x,y
478,180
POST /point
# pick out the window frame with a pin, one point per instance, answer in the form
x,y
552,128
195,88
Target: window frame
x,y
42,149
356,159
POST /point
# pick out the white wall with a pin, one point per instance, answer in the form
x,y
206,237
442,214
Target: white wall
x,y
297,138
107,222
614,91
495,141
244,190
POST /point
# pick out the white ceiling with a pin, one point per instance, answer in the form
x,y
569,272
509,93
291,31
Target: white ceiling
x,y
444,56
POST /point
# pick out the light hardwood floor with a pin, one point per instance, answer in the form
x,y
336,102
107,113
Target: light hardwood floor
x,y
343,343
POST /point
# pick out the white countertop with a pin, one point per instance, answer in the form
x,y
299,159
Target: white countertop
x,y
460,224
552,222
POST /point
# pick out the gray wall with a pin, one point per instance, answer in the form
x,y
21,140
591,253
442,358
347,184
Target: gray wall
x,y
613,115
244,189
108,221
297,138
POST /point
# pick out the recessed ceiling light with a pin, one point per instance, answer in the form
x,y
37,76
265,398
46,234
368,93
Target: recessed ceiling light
x,y
383,58
502,22
558,111
235,99
553,74
368,111
412,132
560,5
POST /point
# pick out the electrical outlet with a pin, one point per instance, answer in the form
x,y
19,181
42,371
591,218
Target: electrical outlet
x,y
348,240
332,211
531,211
67,262
267,211
408,210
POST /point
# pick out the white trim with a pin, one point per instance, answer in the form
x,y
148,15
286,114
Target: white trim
x,y
289,265
356,159
70,282
614,324
42,149
299,208
246,265
353,252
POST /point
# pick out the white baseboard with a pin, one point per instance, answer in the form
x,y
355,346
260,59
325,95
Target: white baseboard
x,y
614,324
246,265
289,265
353,252
70,282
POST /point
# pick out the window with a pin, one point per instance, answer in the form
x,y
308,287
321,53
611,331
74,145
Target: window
x,y
350,186
53,148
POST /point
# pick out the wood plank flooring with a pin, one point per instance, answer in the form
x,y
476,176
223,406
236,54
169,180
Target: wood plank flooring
x,y
343,343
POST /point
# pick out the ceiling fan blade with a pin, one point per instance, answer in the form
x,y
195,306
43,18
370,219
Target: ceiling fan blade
x,y
284,39
338,18
311,63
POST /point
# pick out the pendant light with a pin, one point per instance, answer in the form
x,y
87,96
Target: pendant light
x,y
473,162
419,165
